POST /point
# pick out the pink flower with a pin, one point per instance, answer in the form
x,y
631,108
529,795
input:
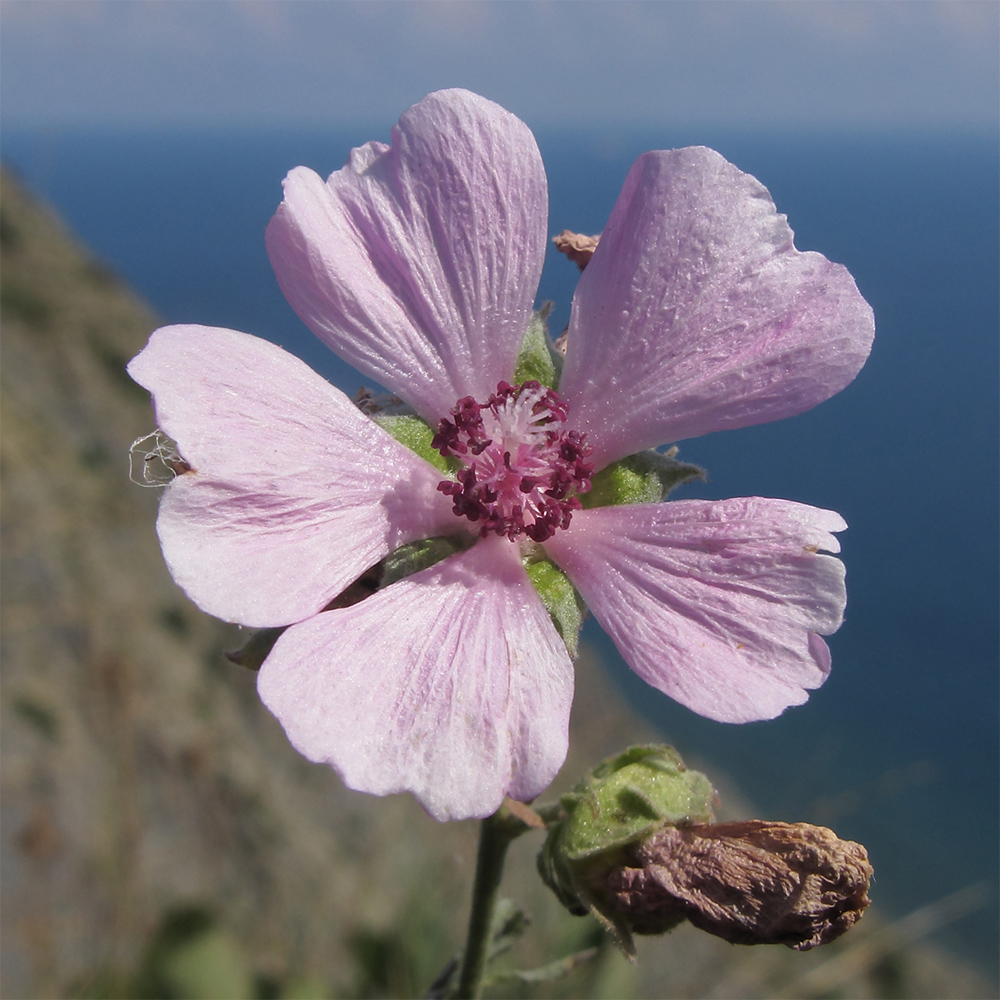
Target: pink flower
x,y
418,263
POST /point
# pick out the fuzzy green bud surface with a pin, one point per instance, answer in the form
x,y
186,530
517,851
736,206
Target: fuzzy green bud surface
x,y
624,800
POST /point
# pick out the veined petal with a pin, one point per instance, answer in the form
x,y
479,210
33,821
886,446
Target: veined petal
x,y
718,604
696,312
418,263
452,684
293,493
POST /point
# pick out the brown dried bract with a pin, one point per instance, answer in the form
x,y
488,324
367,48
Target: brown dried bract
x,y
524,813
577,247
751,882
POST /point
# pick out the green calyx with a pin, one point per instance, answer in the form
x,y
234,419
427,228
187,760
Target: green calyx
x,y
646,477
623,801
412,558
537,360
405,561
256,649
409,430
561,600
628,797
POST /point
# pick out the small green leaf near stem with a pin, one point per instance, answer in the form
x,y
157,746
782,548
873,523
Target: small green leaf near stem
x,y
546,973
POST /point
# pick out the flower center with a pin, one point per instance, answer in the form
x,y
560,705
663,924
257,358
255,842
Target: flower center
x,y
521,469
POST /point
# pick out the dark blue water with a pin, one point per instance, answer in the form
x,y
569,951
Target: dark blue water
x,y
900,748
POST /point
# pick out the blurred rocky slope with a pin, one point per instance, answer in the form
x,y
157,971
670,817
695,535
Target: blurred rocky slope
x,y
159,836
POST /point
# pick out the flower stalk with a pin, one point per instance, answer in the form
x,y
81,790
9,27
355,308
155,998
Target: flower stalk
x,y
495,835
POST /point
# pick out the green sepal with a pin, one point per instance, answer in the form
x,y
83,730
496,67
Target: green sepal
x,y
409,430
561,600
538,360
646,477
256,649
410,559
629,796
405,561
624,800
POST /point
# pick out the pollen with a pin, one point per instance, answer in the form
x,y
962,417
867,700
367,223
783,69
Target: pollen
x,y
522,469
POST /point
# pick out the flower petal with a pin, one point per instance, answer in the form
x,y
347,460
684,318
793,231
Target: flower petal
x,y
292,493
697,313
715,603
418,263
452,684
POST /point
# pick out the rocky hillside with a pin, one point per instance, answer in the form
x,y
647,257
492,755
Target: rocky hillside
x,y
159,836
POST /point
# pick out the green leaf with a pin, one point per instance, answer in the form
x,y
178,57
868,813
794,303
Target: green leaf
x,y
646,477
561,600
546,973
508,925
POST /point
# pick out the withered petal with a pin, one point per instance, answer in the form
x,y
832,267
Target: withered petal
x,y
751,882
576,246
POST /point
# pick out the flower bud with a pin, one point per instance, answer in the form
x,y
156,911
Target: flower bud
x,y
637,849
625,800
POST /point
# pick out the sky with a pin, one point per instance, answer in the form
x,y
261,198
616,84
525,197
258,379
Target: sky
x,y
163,63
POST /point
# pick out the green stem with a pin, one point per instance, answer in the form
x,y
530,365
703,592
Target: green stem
x,y
494,839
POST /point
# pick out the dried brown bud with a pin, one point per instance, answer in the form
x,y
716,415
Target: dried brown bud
x,y
752,882
577,247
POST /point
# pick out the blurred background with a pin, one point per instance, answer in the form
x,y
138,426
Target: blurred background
x,y
159,838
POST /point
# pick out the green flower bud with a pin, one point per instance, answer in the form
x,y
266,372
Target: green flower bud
x,y
624,800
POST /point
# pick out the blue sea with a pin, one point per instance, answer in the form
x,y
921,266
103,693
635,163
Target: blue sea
x,y
900,749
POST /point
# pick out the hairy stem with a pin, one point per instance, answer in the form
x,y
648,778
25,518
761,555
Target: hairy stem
x,y
494,839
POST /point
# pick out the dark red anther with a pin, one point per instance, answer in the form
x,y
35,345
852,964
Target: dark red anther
x,y
522,469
